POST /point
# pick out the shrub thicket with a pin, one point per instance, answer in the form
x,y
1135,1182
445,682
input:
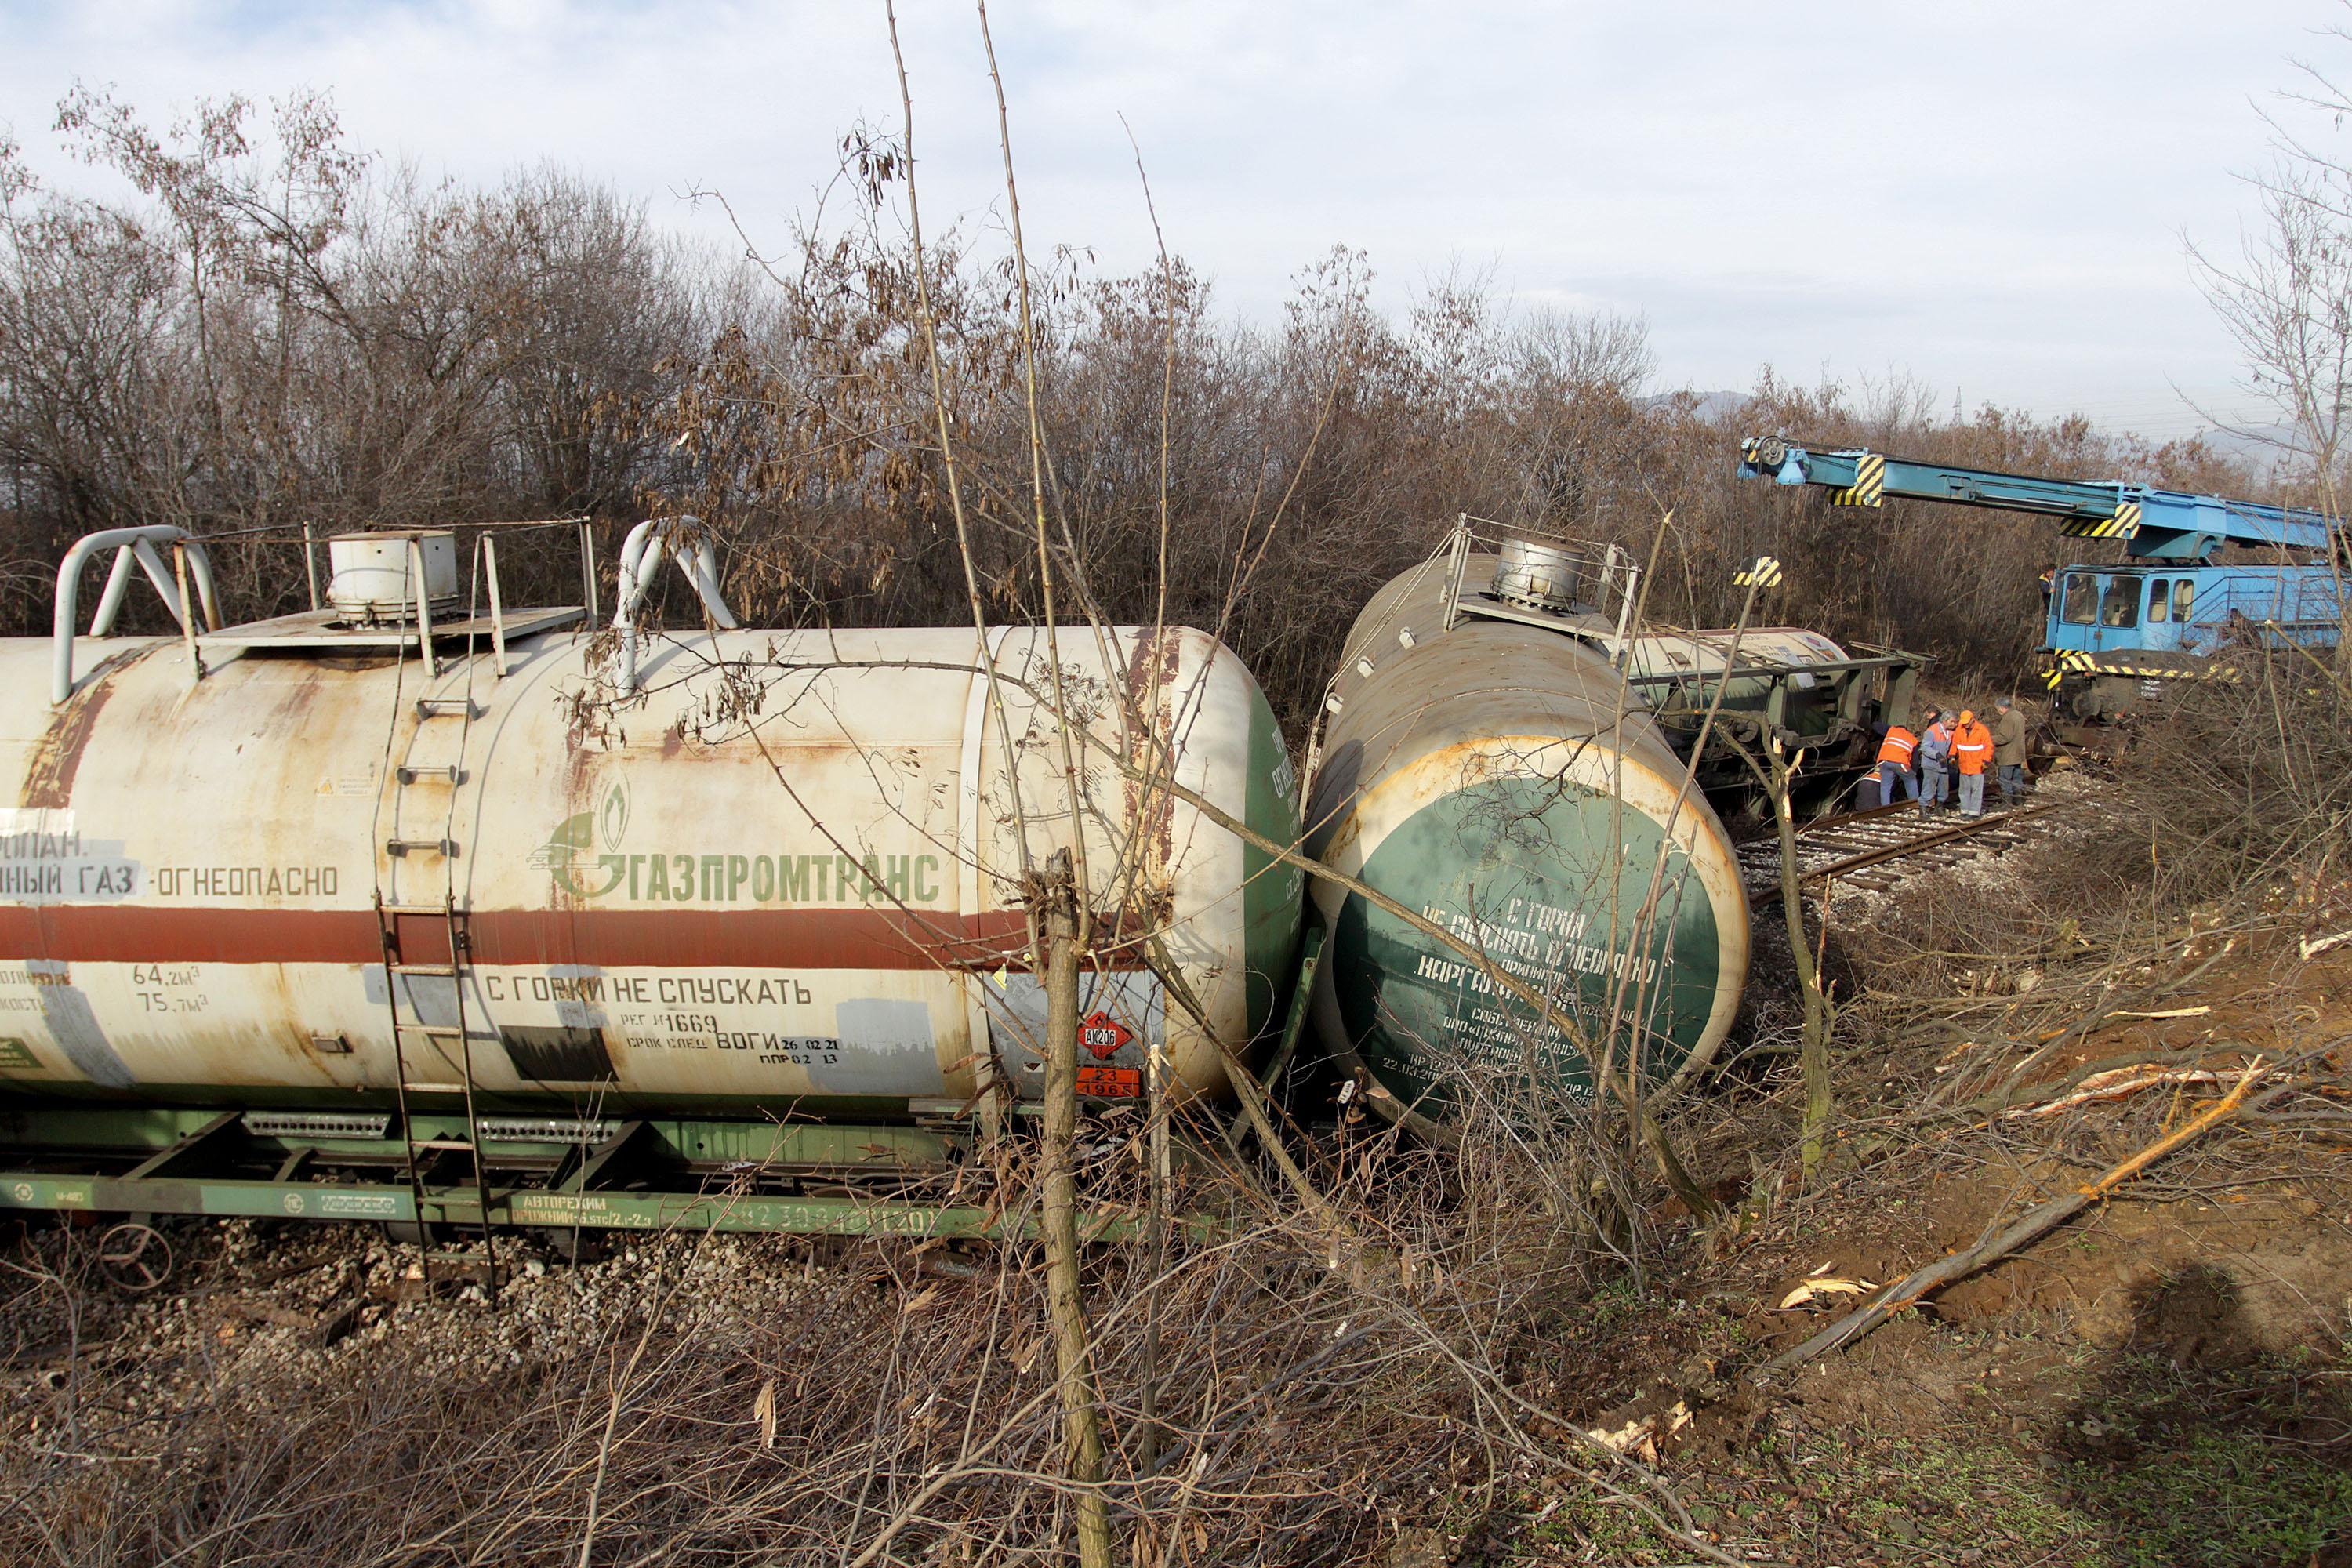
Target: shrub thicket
x,y
276,329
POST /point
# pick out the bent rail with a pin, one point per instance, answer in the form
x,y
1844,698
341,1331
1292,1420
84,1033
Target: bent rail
x,y
129,544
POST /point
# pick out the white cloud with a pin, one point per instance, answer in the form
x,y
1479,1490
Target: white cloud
x,y
1990,196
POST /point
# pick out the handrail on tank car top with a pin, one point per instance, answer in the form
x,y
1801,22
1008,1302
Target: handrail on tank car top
x,y
129,544
641,555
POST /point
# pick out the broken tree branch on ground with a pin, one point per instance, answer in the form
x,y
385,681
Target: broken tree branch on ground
x,y
1638,1425
2027,1229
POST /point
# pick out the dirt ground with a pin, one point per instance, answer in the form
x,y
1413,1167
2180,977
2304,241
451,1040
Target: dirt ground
x,y
2164,1380
2167,1380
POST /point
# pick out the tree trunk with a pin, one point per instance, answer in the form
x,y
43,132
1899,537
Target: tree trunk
x,y
1155,1224
1814,1057
1057,926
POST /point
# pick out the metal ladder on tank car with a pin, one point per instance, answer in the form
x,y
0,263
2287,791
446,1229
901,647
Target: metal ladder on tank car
x,y
413,1036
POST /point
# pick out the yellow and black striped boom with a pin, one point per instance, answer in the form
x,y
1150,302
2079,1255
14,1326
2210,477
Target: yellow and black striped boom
x,y
2151,524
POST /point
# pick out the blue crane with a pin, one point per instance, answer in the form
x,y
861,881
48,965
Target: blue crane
x,y
2169,611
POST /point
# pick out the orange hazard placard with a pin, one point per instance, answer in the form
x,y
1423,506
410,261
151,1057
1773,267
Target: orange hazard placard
x,y
1111,1083
1103,1035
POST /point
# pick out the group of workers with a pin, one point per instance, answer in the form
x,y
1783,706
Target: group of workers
x,y
1925,762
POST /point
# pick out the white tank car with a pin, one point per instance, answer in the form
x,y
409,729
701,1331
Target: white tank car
x,y
783,877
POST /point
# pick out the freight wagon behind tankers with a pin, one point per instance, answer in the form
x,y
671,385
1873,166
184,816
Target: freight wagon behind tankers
x,y
1485,765
762,878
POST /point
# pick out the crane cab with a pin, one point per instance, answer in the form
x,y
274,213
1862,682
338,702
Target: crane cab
x,y
2116,633
2193,610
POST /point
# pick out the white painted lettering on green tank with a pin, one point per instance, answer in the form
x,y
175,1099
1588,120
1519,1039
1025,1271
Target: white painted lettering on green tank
x,y
1526,876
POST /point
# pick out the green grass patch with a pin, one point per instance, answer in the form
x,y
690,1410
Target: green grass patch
x,y
2220,1499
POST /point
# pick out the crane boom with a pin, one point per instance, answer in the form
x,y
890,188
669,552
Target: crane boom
x,y
2152,524
2114,634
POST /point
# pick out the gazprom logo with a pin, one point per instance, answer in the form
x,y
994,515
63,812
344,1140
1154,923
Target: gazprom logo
x,y
570,852
585,858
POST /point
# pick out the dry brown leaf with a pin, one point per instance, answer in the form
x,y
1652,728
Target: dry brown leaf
x,y
923,1297
763,1410
1809,1290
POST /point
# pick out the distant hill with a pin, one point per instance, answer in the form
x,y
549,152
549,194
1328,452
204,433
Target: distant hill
x,y
1710,405
2263,448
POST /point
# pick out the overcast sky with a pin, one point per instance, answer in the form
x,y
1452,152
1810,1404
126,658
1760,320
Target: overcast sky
x,y
1990,197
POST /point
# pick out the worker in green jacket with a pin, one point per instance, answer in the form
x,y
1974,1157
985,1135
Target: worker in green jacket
x,y
2008,749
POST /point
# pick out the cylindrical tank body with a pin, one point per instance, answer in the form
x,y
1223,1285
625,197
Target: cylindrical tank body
x,y
1500,779
787,879
1678,671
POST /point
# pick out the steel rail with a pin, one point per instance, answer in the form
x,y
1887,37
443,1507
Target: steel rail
x,y
1849,818
1910,845
1927,841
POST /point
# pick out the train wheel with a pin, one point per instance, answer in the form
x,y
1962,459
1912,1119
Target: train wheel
x,y
134,1257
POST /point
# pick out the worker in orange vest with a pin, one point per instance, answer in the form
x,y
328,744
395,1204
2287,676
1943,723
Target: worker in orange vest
x,y
1971,753
1894,754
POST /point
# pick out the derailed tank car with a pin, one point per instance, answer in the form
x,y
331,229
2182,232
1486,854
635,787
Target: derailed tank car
x,y
400,915
1501,753
1503,779
1787,682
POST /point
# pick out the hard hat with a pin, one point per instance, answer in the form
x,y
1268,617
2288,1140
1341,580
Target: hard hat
x,y
1968,715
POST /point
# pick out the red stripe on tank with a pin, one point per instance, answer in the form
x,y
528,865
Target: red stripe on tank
x,y
119,933
765,939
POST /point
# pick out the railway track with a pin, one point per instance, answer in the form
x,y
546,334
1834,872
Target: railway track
x,y
1878,848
